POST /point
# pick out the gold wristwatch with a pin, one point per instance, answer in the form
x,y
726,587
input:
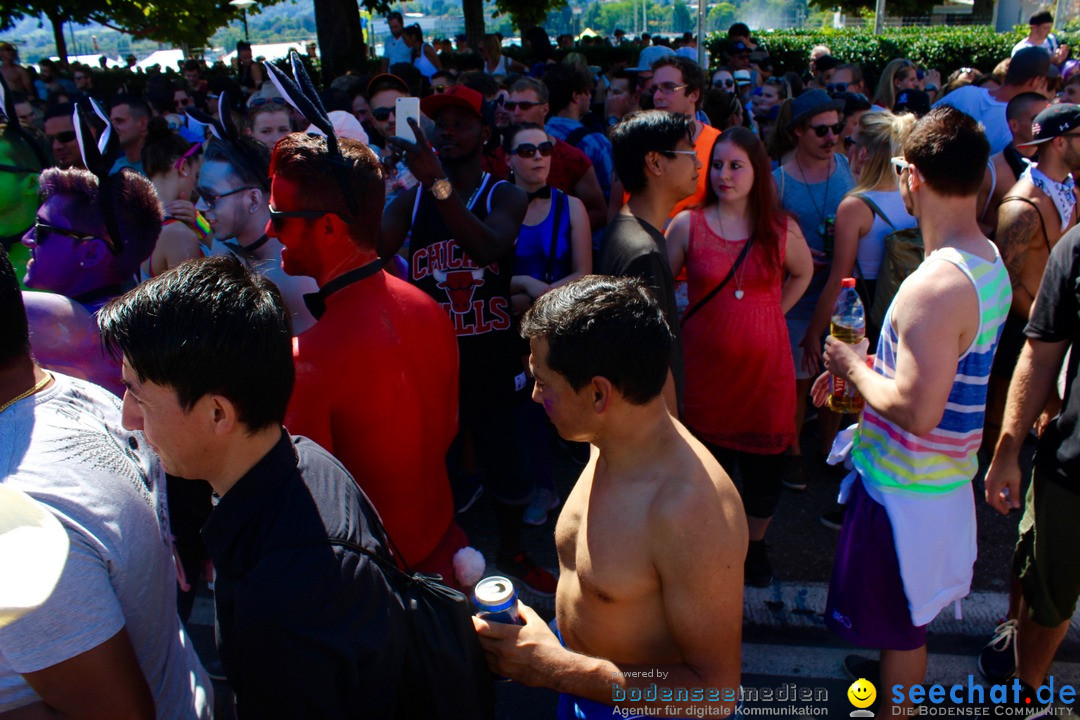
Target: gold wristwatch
x,y
442,189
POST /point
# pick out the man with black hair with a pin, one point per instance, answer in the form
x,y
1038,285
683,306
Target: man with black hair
x,y
107,642
234,194
83,261
1041,36
1039,209
652,535
129,116
391,426
1027,72
60,133
914,453
678,86
570,93
208,369
655,159
461,226
1006,167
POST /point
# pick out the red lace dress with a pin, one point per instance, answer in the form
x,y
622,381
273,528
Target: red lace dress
x,y
740,378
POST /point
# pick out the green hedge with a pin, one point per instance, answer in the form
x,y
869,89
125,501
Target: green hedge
x,y
939,47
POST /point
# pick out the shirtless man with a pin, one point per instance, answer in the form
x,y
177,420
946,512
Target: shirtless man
x,y
18,79
1005,168
652,538
1034,215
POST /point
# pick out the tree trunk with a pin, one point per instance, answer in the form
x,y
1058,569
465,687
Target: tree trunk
x,y
57,21
341,41
474,22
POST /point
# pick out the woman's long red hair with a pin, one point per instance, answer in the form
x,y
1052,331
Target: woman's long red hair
x,y
766,217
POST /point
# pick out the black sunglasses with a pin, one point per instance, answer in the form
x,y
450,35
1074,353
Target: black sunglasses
x,y
64,136
728,83
382,113
528,150
42,230
278,217
836,87
822,130
211,199
525,105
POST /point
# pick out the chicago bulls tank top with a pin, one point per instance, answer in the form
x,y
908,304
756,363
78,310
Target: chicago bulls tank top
x,y
476,298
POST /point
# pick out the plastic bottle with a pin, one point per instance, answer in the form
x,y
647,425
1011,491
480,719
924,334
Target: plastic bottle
x,y
848,325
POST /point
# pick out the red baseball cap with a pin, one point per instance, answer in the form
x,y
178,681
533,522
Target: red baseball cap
x,y
457,96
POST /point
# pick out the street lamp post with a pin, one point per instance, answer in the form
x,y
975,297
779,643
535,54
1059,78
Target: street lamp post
x,y
242,6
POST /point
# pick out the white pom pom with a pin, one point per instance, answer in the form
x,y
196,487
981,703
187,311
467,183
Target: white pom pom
x,y
469,566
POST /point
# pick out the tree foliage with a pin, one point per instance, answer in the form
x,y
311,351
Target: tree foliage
x,y
527,13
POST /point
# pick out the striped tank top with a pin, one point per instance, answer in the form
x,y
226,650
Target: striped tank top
x,y
891,459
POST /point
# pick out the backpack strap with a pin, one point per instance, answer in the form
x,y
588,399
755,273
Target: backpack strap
x,y
578,135
993,186
875,209
558,200
1042,223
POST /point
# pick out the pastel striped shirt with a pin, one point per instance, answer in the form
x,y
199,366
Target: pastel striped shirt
x,y
891,459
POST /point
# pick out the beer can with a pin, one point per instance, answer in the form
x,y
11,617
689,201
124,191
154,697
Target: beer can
x,y
496,600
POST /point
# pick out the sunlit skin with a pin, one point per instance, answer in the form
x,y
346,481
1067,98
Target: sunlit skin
x,y
678,100
299,253
906,79
66,153
59,263
129,130
532,170
386,99
819,148
770,97
534,114
269,127
730,172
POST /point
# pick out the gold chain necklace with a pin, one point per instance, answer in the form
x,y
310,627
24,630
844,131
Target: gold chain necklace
x,y
37,388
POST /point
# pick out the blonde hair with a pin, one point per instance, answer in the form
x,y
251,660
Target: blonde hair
x,y
886,88
882,134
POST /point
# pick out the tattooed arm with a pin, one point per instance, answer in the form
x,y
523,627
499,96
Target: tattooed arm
x,y
1018,226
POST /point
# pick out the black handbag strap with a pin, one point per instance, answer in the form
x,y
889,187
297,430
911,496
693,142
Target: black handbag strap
x,y
557,199
727,278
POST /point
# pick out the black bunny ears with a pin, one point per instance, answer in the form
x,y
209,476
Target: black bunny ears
x,y
300,92
224,130
14,129
99,158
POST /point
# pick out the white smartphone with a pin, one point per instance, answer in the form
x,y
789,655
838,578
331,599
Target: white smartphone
x,y
405,108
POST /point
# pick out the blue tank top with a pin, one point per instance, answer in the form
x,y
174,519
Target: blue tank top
x,y
533,251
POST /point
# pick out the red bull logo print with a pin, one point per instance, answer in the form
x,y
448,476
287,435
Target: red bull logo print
x,y
459,279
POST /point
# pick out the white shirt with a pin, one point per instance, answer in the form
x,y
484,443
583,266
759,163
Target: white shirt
x,y
396,51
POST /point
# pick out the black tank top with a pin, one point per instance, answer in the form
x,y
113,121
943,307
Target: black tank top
x,y
1017,162
476,298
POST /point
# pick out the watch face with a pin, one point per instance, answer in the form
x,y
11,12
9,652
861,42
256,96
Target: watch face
x,y
441,189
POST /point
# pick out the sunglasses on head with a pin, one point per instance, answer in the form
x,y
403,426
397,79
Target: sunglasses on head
x,y
383,113
528,150
260,101
822,130
525,105
724,82
64,136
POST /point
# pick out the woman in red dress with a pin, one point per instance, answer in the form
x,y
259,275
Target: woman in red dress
x,y
740,380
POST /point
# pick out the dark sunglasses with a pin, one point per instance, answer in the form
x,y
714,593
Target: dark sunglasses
x,y
383,113
728,83
836,88
260,101
42,230
278,217
212,199
64,136
528,150
439,89
525,105
822,130
182,102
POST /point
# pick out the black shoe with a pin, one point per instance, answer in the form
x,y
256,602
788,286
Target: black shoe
x,y
834,520
858,667
793,477
466,491
757,570
1030,707
997,661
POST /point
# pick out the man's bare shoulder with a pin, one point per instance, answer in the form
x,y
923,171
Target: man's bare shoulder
x,y
697,500
937,284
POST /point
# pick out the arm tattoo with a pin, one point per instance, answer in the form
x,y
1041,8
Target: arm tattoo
x,y
1017,227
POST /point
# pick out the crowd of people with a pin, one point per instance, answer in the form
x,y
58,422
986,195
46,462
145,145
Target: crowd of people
x,y
335,323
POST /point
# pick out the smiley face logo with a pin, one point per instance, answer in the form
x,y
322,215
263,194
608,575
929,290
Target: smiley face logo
x,y
862,693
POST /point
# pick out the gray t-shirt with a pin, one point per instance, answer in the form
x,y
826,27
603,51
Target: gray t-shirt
x,y
811,204
65,447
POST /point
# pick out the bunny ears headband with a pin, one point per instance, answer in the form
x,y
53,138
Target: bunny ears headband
x,y
99,158
300,92
224,129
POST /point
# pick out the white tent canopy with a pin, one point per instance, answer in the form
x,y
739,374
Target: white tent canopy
x,y
165,58
271,51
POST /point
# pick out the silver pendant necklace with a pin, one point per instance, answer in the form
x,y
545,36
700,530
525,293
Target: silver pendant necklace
x,y
727,251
